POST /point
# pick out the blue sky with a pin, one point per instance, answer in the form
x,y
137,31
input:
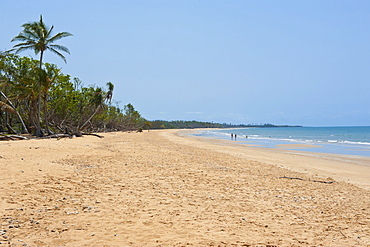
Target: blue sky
x,y
236,61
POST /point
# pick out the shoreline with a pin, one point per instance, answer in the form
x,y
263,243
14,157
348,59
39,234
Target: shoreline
x,y
336,146
347,168
160,189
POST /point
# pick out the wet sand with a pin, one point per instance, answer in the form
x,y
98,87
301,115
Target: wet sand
x,y
164,189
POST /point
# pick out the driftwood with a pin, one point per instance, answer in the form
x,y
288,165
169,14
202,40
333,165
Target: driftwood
x,y
59,136
7,138
92,134
318,181
12,137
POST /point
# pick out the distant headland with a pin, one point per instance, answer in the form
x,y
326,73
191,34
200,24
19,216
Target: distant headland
x,y
180,124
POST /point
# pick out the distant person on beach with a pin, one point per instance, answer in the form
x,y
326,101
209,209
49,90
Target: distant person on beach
x,y
232,136
235,136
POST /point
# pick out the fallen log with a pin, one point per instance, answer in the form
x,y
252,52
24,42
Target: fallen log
x,y
7,138
69,135
92,134
58,136
12,137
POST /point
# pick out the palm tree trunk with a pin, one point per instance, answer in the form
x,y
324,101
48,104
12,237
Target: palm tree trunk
x,y
39,132
32,112
46,116
88,120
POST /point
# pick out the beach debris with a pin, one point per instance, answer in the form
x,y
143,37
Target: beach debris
x,y
58,136
88,209
4,137
12,137
92,134
318,181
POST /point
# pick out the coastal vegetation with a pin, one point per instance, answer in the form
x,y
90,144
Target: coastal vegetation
x,y
38,98
65,105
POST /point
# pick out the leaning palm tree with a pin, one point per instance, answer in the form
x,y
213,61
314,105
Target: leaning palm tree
x,y
97,100
110,92
38,37
11,109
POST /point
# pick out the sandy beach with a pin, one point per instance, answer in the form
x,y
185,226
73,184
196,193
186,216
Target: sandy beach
x,y
165,188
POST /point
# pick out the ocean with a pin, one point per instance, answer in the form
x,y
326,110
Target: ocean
x,y
334,140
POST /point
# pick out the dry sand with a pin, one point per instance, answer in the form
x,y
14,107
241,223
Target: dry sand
x,y
163,189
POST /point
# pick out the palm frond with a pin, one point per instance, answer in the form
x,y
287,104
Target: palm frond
x,y
110,86
42,24
24,48
50,31
58,53
58,36
21,37
5,107
60,47
32,32
28,43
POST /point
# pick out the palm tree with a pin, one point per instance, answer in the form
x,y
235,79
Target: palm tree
x,y
110,92
38,37
98,101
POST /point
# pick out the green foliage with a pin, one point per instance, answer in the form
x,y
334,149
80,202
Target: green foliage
x,y
132,117
67,104
147,125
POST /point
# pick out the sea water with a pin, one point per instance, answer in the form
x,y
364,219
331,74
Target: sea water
x,y
335,140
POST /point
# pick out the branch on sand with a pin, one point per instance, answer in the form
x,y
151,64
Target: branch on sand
x,y
12,137
58,136
92,134
318,181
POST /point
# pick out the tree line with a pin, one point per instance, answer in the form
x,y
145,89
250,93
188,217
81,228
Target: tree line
x,y
180,124
37,98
